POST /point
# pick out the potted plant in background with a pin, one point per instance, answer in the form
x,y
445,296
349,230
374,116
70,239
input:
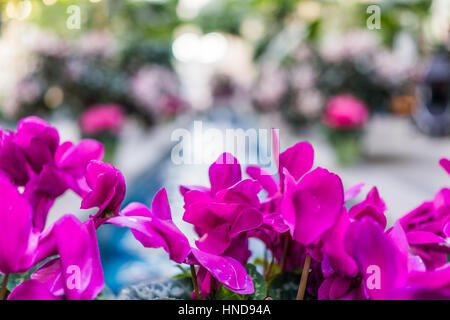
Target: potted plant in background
x,y
103,122
344,118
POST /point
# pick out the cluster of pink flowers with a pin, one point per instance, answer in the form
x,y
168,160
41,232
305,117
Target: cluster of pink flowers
x,y
304,216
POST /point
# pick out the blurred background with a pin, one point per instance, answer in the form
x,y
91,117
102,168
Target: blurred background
x,y
366,82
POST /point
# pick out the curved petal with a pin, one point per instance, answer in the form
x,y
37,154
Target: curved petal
x,y
75,158
108,188
153,232
244,192
79,256
445,163
423,237
377,258
333,247
264,178
224,172
31,290
353,192
17,241
160,205
248,220
317,201
226,270
297,159
373,206
215,241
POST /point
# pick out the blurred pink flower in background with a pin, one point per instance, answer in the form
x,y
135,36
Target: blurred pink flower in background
x,y
355,44
154,88
100,43
271,87
102,118
345,112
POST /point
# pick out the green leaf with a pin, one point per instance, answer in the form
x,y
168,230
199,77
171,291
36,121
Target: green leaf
x,y
159,290
258,282
184,273
284,286
226,294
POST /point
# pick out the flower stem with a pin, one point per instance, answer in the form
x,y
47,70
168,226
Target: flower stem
x,y
3,288
304,278
265,261
194,283
269,269
285,251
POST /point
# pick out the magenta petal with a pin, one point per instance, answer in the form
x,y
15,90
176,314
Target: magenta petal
x,y
373,206
353,192
153,232
244,192
248,220
333,247
75,158
224,172
17,241
78,248
423,237
102,194
215,241
287,207
324,289
141,229
108,188
297,159
202,217
12,159
226,270
447,229
160,205
374,252
238,249
31,290
264,178
339,287
445,163
177,244
317,201
49,274
435,279
38,140
204,282
36,127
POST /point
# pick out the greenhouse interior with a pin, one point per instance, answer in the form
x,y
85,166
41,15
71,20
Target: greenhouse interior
x,y
225,150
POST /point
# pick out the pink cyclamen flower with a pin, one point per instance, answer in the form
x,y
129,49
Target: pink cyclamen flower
x,y
76,274
107,189
224,211
102,118
294,163
38,140
32,157
345,112
154,228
